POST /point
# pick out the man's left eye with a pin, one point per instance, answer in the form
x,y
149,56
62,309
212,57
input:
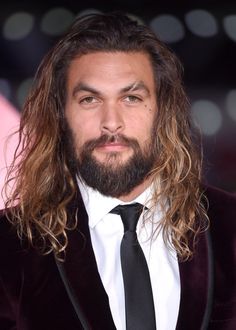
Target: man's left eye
x,y
132,99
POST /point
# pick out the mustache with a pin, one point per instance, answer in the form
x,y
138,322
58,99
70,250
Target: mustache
x,y
105,139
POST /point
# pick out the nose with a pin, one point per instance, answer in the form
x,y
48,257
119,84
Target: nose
x,y
112,121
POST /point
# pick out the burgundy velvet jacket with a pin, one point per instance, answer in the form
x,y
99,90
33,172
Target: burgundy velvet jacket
x,y
38,293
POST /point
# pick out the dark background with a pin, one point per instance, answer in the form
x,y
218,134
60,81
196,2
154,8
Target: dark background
x,y
209,61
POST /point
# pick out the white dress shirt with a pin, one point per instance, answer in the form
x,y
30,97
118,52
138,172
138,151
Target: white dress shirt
x,y
106,231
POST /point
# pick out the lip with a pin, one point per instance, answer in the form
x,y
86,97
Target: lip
x,y
112,147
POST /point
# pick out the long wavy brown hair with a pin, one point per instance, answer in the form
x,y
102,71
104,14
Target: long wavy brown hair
x,y
44,178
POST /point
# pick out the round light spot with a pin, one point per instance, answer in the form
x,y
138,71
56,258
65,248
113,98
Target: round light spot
x,y
89,11
5,88
207,116
231,104
229,24
136,19
168,28
18,26
56,21
201,23
23,90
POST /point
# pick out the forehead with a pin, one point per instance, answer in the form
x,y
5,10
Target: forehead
x,y
111,68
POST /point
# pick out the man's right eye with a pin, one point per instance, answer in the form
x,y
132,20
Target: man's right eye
x,y
88,100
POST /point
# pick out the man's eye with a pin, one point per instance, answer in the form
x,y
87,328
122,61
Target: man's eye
x,y
132,99
88,100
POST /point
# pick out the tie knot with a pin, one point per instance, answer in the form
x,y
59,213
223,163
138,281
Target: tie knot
x,y
129,214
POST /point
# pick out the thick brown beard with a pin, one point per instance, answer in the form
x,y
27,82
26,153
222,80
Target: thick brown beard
x,y
112,177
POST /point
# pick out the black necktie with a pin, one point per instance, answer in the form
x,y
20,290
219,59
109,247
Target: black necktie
x,y
139,305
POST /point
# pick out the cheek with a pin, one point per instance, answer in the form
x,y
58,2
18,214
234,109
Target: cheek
x,y
142,127
83,131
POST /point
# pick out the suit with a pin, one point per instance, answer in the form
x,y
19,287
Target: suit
x,y
37,292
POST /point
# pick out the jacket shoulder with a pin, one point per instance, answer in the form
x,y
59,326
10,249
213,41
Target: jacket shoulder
x,y
12,248
217,197
222,227
221,208
222,217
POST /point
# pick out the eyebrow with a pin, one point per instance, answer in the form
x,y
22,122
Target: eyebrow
x,y
82,87
136,86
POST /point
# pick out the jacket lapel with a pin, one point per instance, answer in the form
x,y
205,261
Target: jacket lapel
x,y
81,278
196,280
85,289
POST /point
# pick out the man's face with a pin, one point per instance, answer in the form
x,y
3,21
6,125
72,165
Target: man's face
x,y
110,109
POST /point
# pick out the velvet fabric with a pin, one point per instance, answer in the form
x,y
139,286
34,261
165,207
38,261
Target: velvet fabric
x,y
37,292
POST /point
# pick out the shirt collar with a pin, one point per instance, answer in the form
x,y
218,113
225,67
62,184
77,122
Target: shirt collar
x,y
98,205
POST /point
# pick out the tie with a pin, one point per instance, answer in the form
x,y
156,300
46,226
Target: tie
x,y
139,306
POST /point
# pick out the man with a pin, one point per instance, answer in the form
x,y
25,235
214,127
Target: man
x,y
106,126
